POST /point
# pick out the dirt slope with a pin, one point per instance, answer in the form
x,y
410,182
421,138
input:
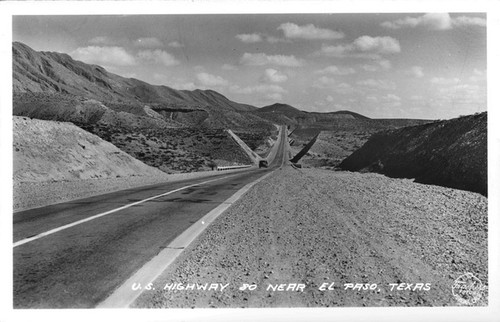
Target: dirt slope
x,y
450,153
315,226
56,151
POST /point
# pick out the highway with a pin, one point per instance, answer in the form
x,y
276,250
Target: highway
x,y
75,254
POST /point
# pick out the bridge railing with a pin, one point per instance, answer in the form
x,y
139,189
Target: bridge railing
x,y
230,167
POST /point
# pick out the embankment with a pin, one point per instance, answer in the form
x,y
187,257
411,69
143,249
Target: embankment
x,y
451,153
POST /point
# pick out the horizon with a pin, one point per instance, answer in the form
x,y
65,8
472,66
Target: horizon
x,y
420,66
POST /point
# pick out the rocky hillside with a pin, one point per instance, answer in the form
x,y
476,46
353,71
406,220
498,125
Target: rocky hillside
x,y
53,74
451,153
56,151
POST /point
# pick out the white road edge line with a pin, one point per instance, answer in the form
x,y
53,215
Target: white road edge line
x,y
124,296
55,230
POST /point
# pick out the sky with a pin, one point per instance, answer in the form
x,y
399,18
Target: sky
x,y
413,65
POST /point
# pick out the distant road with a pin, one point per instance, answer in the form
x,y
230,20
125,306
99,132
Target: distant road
x,y
74,254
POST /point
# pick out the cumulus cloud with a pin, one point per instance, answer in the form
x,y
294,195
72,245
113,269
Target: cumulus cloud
x,y
416,71
335,70
260,59
175,44
363,47
377,84
148,42
210,80
435,21
158,56
309,31
107,56
379,45
249,38
274,76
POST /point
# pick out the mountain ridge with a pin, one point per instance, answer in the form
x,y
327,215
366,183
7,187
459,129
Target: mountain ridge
x,y
53,72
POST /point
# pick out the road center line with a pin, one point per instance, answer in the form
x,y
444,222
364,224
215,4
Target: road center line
x,y
55,230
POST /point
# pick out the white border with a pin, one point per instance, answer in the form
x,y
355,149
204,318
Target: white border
x,y
7,9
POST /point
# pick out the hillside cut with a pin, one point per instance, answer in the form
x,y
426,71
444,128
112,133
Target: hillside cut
x,y
451,153
59,151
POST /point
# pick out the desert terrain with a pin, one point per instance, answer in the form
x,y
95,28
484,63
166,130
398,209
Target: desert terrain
x,y
349,216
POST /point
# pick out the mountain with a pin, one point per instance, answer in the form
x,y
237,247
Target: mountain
x,y
284,113
451,153
56,74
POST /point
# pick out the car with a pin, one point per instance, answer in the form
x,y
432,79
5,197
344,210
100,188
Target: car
x,y
263,164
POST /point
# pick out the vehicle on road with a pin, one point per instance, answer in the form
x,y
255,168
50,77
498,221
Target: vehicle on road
x,y
263,164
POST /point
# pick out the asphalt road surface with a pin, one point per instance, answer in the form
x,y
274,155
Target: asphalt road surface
x,y
84,257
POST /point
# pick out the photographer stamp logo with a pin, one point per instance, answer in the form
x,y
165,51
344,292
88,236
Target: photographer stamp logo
x,y
468,289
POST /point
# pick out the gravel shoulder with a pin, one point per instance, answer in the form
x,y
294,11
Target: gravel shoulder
x,y
311,227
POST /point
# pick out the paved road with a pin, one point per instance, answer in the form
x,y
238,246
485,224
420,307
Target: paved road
x,y
81,264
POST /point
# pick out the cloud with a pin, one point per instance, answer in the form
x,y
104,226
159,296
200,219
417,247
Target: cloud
x,y
463,94
249,38
309,31
391,97
335,50
379,64
392,100
377,84
108,56
416,71
435,21
101,40
229,67
463,21
379,45
158,56
148,42
324,82
209,80
274,76
343,88
175,44
363,47
335,70
274,40
329,99
258,89
478,75
275,96
261,59
445,81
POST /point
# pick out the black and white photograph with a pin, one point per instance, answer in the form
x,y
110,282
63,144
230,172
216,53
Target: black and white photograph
x,y
210,162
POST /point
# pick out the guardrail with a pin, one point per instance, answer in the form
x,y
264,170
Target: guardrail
x,y
230,167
